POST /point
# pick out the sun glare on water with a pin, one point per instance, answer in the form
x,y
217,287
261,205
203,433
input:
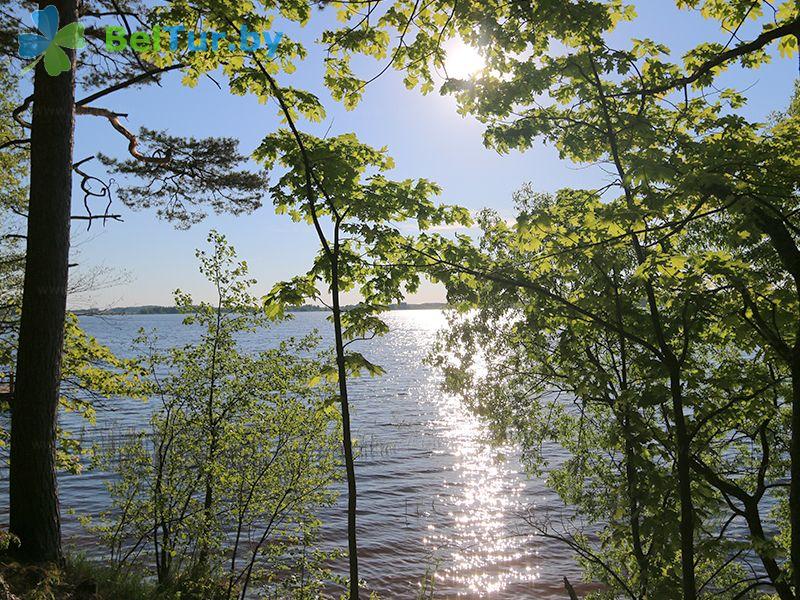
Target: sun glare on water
x,y
476,533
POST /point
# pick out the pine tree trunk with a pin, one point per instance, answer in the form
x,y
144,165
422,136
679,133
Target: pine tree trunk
x,y
34,509
794,485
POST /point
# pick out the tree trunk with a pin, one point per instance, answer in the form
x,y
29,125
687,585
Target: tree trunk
x,y
208,499
631,474
34,510
771,565
684,488
794,485
785,247
347,440
632,488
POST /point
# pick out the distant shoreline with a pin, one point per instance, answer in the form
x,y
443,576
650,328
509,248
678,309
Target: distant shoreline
x,y
174,310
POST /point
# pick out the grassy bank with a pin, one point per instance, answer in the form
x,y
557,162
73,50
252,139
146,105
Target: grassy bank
x,y
78,579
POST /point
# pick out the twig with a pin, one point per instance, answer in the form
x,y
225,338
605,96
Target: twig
x,y
570,590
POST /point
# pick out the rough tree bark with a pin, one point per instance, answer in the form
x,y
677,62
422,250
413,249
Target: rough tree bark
x,y
794,486
786,248
34,509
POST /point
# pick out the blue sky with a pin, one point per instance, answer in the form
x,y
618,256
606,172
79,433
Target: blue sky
x,y
424,134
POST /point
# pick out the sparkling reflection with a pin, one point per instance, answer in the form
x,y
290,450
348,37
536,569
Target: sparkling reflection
x,y
477,534
487,554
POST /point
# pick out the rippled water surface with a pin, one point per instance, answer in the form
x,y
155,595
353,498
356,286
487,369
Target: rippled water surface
x,y
434,495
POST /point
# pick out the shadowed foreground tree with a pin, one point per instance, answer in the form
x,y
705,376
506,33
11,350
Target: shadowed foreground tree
x,y
563,330
34,515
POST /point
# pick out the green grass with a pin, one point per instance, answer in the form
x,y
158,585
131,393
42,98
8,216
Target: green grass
x,y
110,583
78,579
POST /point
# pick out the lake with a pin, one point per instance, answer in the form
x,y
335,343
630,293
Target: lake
x,y
434,494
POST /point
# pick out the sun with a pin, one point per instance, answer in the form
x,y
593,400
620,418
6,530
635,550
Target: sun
x,y
462,61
